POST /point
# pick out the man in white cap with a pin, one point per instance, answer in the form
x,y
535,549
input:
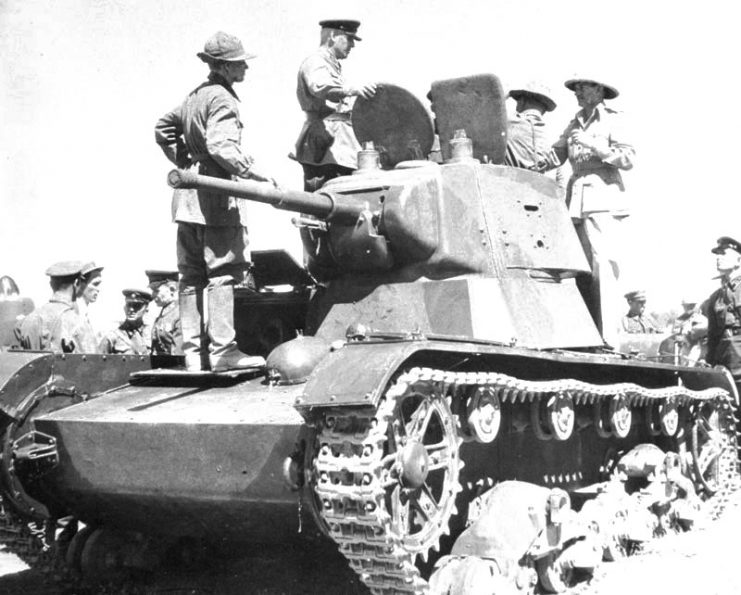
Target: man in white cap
x,y
326,146
527,142
723,309
597,149
204,132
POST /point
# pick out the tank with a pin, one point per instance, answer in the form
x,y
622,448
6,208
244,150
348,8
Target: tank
x,y
446,351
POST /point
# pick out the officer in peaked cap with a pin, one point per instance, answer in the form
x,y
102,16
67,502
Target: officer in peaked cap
x,y
527,139
204,133
55,326
91,279
636,320
132,336
326,146
723,309
166,334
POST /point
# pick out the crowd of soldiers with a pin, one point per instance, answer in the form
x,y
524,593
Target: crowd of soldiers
x,y
203,133
63,324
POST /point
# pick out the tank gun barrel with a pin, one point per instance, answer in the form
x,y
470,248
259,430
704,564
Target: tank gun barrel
x,y
318,204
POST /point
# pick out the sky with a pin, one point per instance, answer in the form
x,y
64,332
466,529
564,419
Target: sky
x,y
83,82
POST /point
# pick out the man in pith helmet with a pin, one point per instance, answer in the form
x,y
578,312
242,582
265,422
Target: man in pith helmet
x,y
204,133
327,147
527,142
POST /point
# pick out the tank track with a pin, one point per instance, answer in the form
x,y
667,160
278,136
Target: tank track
x,y
353,465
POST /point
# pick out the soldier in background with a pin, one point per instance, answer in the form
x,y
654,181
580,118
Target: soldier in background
x,y
326,147
132,336
91,278
723,309
527,142
55,326
167,338
688,332
636,320
213,252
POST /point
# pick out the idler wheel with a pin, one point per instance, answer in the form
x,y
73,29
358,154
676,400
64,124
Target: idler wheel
x,y
415,464
707,445
484,414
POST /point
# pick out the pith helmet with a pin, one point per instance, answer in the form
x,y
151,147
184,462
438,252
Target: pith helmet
x,y
610,91
348,26
726,242
225,47
538,90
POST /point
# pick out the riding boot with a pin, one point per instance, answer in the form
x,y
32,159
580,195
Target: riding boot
x,y
225,355
190,300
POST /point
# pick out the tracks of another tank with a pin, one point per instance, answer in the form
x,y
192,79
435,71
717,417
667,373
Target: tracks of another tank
x,y
363,468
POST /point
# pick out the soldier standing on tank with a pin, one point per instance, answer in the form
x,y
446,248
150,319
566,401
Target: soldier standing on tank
x,y
91,278
132,336
55,326
326,147
204,132
723,309
167,337
597,149
527,143
636,320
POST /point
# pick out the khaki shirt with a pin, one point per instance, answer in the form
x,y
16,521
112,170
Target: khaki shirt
x,y
596,184
126,340
527,145
327,136
639,323
167,337
55,326
206,130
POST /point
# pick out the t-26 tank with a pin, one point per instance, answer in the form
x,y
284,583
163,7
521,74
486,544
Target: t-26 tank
x,y
450,370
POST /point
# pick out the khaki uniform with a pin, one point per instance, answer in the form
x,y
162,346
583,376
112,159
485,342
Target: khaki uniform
x,y
639,323
166,334
125,340
327,137
527,144
596,198
723,311
55,326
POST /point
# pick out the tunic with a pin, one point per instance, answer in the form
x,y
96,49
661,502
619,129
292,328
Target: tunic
x,y
527,145
166,334
327,136
127,340
723,311
639,323
55,326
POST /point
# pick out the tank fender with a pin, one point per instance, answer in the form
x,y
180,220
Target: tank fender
x,y
22,374
354,374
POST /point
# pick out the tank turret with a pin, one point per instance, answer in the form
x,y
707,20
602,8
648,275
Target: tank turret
x,y
448,248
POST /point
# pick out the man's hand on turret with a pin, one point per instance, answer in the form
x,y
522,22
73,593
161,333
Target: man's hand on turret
x,y
365,91
253,174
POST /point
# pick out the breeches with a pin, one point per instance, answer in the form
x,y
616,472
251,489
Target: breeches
x,y
212,256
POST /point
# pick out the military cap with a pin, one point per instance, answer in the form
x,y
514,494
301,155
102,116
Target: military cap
x,y
610,91
158,277
726,242
636,296
143,296
345,25
225,47
65,268
90,267
537,90
688,301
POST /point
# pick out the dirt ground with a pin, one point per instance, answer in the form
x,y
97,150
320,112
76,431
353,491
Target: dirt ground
x,y
699,562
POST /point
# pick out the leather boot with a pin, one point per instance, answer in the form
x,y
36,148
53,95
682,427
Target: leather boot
x,y
190,300
225,355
